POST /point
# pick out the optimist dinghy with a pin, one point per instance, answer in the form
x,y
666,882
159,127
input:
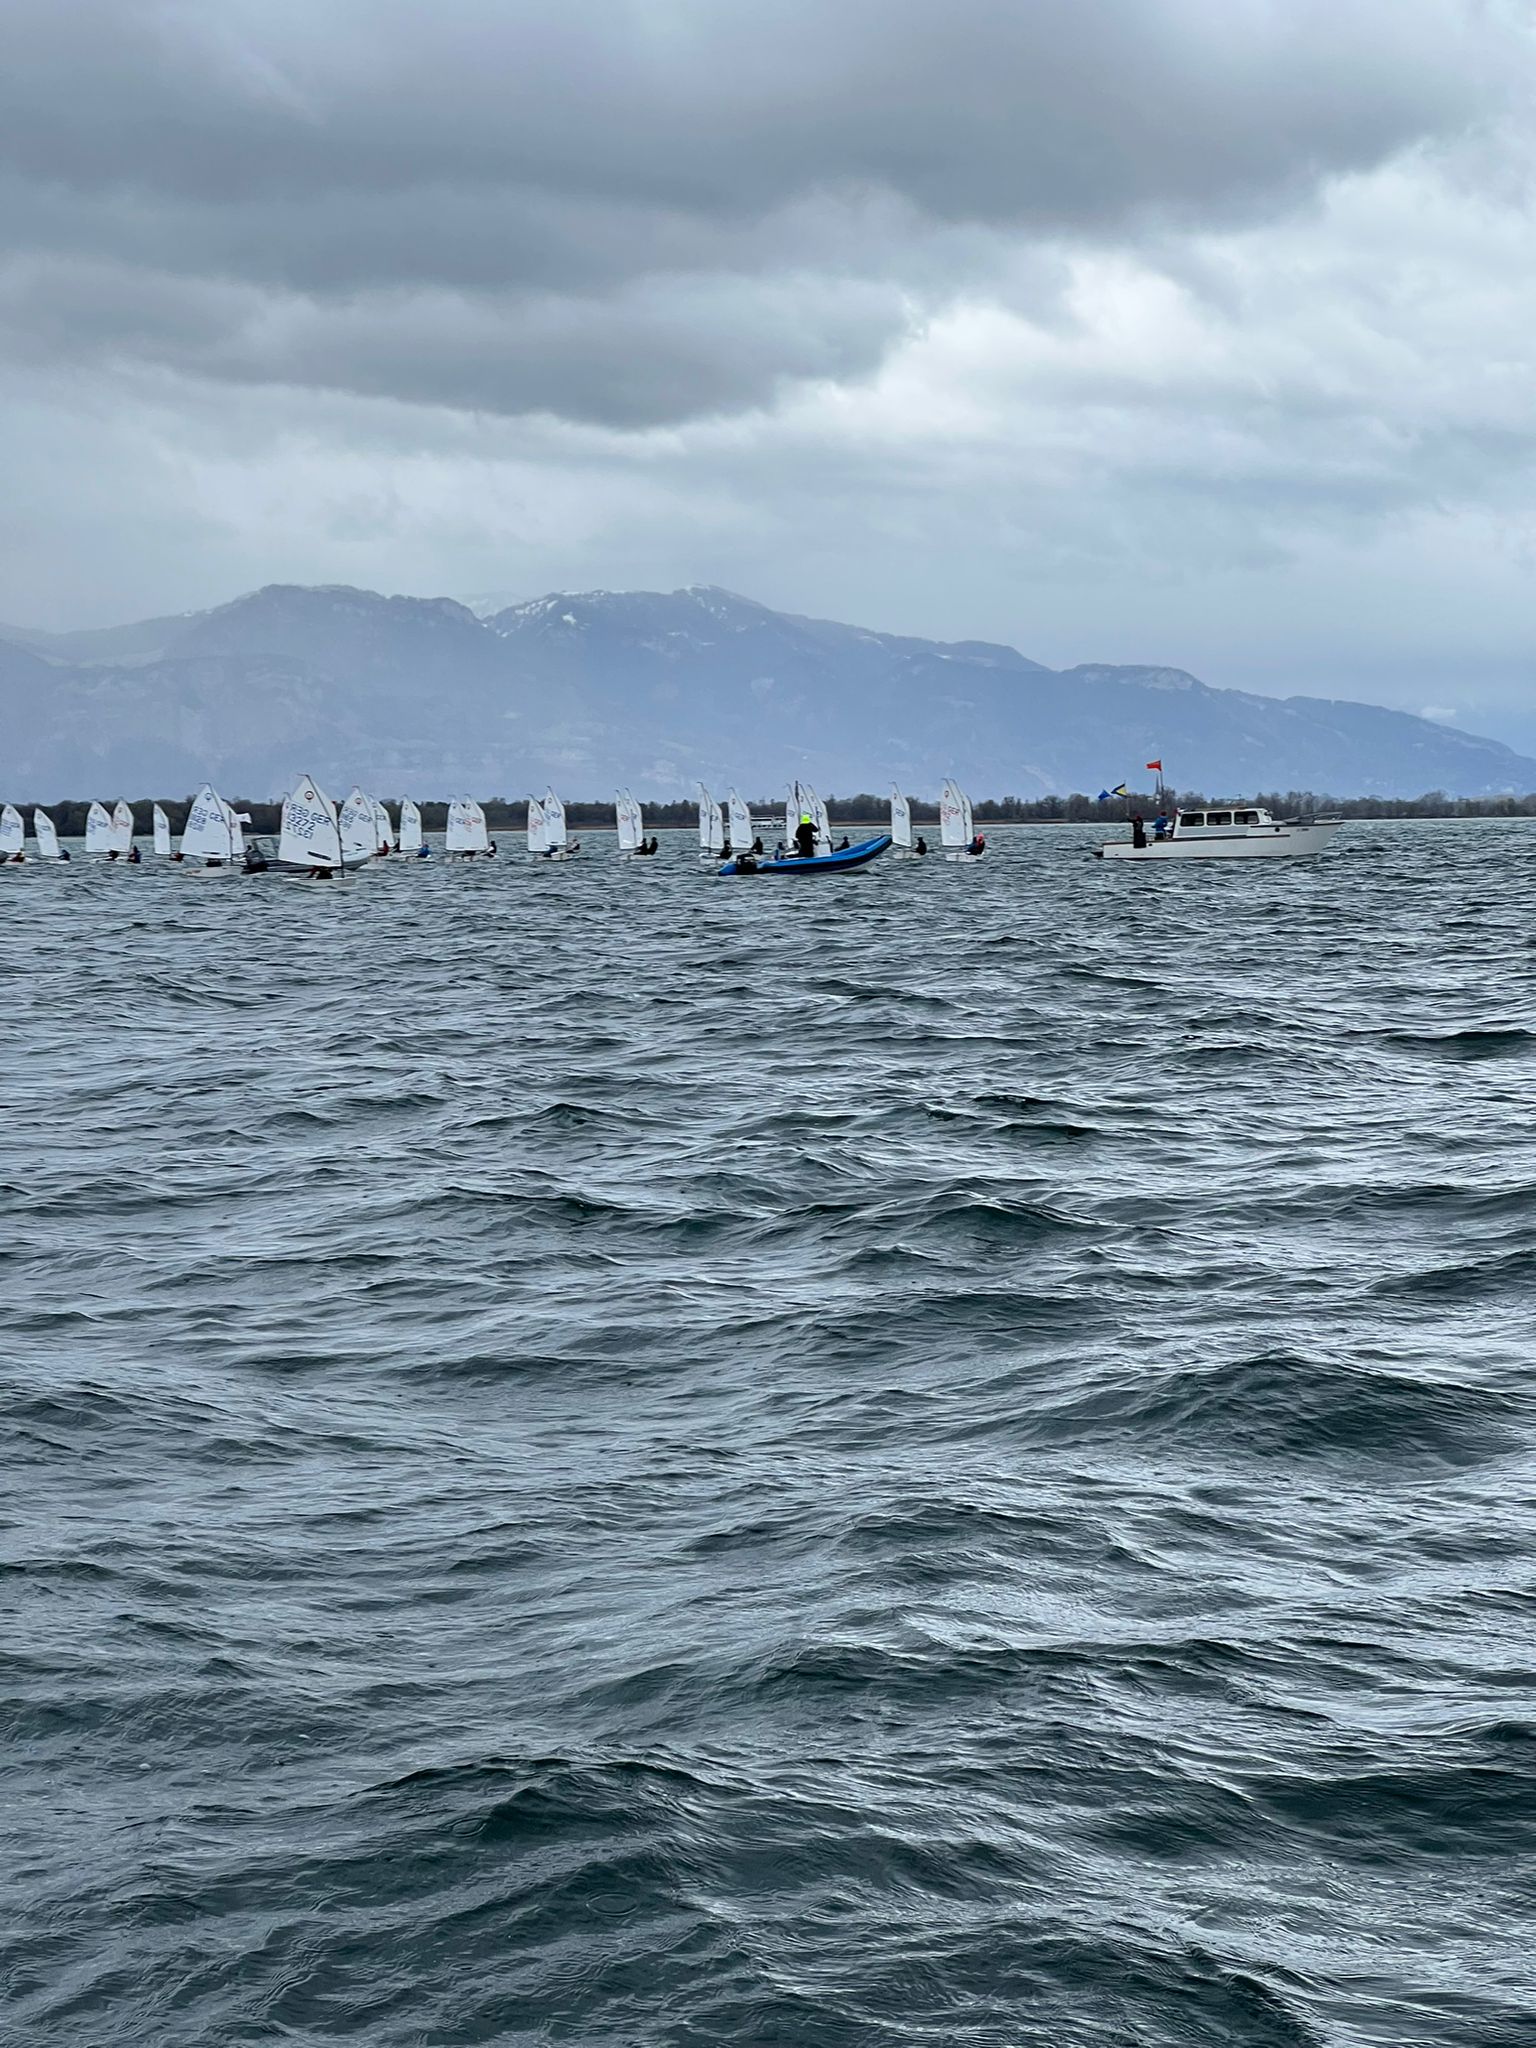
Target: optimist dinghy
x,y
160,825
98,832
359,829
46,834
13,835
957,827
466,833
547,836
711,827
901,824
212,843
411,840
819,864
310,841
739,829
631,824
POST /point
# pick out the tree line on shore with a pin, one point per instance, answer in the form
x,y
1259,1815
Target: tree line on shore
x,y
505,814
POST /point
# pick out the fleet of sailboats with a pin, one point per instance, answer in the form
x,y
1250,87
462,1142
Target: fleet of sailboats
x,y
318,838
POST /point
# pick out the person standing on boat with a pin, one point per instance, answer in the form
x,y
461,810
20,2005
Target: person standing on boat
x,y
805,837
1160,825
1138,830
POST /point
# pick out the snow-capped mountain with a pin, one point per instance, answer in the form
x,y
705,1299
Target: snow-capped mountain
x,y
655,690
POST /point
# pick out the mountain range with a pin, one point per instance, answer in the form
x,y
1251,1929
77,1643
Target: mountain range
x,y
656,691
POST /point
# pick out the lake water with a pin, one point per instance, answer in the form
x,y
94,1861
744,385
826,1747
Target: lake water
x,y
593,1455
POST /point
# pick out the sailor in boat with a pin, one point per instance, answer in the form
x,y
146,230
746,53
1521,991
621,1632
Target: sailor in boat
x,y
978,845
490,849
647,847
921,846
133,856
844,843
805,837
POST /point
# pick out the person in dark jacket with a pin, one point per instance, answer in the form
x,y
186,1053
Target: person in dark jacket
x,y
805,837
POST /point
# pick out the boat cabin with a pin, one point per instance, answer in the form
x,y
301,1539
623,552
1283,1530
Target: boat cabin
x,y
1218,821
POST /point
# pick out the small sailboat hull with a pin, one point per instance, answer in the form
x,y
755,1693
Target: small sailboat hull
x,y
820,864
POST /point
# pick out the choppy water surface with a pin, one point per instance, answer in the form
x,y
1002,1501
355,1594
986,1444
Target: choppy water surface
x,y
591,1455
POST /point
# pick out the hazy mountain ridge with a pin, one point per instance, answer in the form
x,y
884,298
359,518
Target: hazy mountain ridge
x,y
655,690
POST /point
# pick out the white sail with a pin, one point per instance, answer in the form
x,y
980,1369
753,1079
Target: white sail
x,y
791,814
236,821
538,827
806,803
208,833
162,830
44,832
98,830
122,827
410,826
631,821
901,818
359,833
554,820
475,827
385,831
955,827
311,835
740,833
711,824
465,828
466,831
13,832
823,824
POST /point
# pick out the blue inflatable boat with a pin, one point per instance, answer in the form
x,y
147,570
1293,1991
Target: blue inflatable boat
x,y
820,864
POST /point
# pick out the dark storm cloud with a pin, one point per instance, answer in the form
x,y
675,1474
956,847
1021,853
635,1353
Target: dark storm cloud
x,y
636,213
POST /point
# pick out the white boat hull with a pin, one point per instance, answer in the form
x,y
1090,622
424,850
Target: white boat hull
x,y
1250,842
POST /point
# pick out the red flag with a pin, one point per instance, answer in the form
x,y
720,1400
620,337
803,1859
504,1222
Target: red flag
x,y
1157,765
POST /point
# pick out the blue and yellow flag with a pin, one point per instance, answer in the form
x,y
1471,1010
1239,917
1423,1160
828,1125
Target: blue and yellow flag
x,y
1118,790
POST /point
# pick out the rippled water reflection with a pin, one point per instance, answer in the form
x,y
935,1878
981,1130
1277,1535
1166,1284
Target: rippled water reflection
x,y
593,1455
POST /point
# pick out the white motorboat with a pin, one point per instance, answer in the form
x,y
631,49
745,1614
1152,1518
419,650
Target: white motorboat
x,y
1234,834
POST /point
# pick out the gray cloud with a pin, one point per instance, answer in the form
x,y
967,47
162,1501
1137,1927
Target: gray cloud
x,y
562,202
1192,330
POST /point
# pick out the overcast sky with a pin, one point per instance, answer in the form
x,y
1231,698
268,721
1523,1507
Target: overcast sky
x,y
1189,331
